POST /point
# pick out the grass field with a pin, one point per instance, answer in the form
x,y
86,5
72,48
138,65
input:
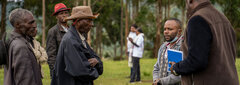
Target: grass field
x,y
115,73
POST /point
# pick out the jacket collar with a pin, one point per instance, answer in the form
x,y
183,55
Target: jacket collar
x,y
200,6
17,35
74,32
60,27
22,37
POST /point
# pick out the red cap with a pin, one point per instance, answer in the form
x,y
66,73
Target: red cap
x,y
59,7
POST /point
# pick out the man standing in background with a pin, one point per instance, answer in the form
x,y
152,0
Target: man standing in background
x,y
56,33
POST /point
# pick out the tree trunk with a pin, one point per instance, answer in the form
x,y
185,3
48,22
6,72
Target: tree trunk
x,y
126,27
136,8
84,3
3,18
89,3
43,23
169,8
121,30
97,39
183,17
135,5
89,33
165,9
100,41
159,19
115,50
77,2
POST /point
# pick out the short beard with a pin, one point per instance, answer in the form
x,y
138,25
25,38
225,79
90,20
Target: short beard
x,y
169,40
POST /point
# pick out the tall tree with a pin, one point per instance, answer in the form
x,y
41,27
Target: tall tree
x,y
84,3
135,9
3,18
77,2
159,19
121,30
169,8
43,23
89,33
126,26
100,41
181,4
89,2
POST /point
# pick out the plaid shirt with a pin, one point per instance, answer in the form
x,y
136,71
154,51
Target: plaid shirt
x,y
161,66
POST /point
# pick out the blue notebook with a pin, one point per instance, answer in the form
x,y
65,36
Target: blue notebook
x,y
174,56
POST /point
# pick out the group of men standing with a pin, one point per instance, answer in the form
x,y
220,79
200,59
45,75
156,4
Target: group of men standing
x,y
71,60
208,45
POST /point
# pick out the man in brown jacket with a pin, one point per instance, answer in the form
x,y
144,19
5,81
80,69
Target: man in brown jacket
x,y
209,48
22,67
56,33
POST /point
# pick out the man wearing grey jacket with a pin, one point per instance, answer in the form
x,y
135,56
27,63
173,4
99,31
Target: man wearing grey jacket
x,y
172,35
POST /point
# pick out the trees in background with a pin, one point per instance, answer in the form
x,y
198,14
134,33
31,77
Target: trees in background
x,y
3,18
112,26
43,23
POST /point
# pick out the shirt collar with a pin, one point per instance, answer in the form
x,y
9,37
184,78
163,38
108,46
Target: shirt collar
x,y
65,28
81,36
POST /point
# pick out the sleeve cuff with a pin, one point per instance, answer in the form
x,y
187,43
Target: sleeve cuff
x,y
174,70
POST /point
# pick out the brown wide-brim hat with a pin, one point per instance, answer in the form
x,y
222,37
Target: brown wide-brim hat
x,y
81,12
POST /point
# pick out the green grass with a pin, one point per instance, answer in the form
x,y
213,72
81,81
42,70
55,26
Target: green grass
x,y
115,73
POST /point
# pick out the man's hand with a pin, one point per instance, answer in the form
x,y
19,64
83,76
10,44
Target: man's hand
x,y
93,61
156,82
171,69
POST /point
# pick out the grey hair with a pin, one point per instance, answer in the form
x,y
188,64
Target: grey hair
x,y
18,15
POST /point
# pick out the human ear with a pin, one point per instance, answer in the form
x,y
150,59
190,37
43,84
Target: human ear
x,y
17,25
179,31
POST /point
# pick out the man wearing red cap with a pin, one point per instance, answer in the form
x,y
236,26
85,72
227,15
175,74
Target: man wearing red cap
x,y
56,33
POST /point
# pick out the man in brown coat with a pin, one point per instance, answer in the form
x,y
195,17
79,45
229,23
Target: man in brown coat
x,y
56,33
209,48
22,67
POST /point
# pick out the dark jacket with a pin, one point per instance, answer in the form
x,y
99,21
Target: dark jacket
x,y
22,67
54,38
72,66
214,63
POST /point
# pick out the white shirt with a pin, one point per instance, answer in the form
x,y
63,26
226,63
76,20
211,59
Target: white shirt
x,y
64,28
138,51
83,39
129,44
